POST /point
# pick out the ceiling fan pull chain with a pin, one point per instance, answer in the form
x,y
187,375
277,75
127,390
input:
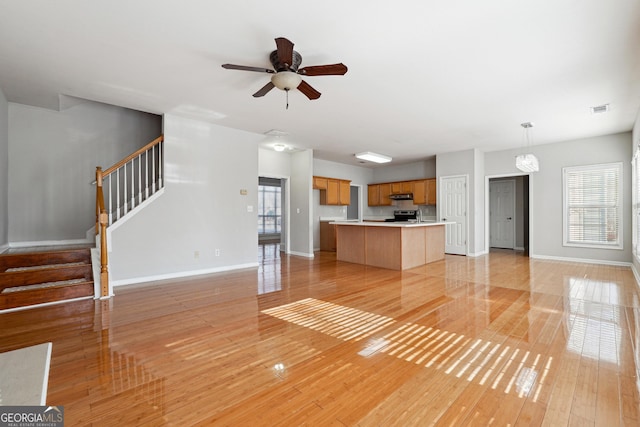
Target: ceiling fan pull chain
x,y
287,91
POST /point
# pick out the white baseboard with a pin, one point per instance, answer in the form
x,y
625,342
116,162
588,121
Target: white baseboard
x,y
301,254
9,310
477,254
180,275
581,260
4,247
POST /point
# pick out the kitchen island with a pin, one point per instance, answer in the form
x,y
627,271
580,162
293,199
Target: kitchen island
x,y
393,245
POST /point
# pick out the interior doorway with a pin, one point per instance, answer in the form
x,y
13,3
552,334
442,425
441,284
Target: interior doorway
x,y
453,212
353,210
508,197
273,223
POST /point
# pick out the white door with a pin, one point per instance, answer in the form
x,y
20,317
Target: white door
x,y
453,211
502,208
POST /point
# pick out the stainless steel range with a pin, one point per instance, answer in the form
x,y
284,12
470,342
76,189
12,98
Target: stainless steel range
x,y
403,216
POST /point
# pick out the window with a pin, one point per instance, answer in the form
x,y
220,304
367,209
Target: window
x,y
269,214
592,215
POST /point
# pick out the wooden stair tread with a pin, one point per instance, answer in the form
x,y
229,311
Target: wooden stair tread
x,y
45,285
31,259
54,274
33,278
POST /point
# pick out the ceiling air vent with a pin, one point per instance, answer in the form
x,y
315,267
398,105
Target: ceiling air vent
x,y
598,109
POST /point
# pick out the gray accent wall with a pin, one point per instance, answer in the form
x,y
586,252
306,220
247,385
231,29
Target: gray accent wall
x,y
204,221
4,172
53,156
545,189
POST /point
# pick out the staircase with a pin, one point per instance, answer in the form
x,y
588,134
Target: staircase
x,y
33,278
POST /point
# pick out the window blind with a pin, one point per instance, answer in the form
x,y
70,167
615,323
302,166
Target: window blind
x,y
592,203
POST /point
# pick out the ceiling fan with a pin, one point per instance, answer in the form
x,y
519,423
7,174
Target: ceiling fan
x,y
286,74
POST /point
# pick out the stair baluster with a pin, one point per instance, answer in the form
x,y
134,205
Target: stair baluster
x,y
153,182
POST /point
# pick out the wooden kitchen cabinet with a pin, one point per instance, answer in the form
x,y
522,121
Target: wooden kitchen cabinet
x,y
420,192
327,236
373,195
319,183
431,191
401,187
385,191
333,191
424,192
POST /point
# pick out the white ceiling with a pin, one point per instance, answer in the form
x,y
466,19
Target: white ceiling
x,y
424,77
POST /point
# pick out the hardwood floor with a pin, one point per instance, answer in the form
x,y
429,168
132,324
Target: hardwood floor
x,y
494,340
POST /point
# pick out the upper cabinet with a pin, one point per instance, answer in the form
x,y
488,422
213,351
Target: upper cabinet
x,y
378,194
333,191
431,192
424,192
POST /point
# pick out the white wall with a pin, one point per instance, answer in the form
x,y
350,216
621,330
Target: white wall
x,y
546,191
405,172
4,172
462,163
301,204
635,142
54,155
273,163
202,208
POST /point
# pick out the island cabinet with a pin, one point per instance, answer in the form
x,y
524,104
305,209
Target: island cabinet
x,y
333,191
390,245
327,236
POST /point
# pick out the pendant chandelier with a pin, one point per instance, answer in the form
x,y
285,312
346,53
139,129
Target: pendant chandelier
x,y
527,162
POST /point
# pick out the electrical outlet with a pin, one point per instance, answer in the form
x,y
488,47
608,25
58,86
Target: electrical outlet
x,y
217,252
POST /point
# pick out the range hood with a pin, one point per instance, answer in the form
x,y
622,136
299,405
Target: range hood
x,y
403,196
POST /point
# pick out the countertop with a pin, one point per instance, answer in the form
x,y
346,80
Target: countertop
x,y
389,224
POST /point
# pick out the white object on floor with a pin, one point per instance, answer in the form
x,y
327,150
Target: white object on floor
x,y
24,376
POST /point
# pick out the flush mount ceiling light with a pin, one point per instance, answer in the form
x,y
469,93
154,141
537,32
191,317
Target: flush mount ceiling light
x,y
373,157
279,147
527,162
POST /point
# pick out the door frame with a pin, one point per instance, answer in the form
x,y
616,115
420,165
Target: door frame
x,y
514,219
285,226
487,202
439,193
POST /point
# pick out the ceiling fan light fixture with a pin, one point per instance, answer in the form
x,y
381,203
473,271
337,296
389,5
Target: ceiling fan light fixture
x,y
286,80
373,157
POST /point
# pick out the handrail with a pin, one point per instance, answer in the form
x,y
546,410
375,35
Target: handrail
x,y
104,217
132,156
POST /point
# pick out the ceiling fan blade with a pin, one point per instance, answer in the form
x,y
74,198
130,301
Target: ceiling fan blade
x,y
310,92
265,89
324,70
285,51
245,68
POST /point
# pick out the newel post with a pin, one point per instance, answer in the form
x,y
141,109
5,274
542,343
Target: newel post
x,y
101,228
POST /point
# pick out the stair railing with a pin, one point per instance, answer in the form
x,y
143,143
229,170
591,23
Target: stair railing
x,y
128,184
